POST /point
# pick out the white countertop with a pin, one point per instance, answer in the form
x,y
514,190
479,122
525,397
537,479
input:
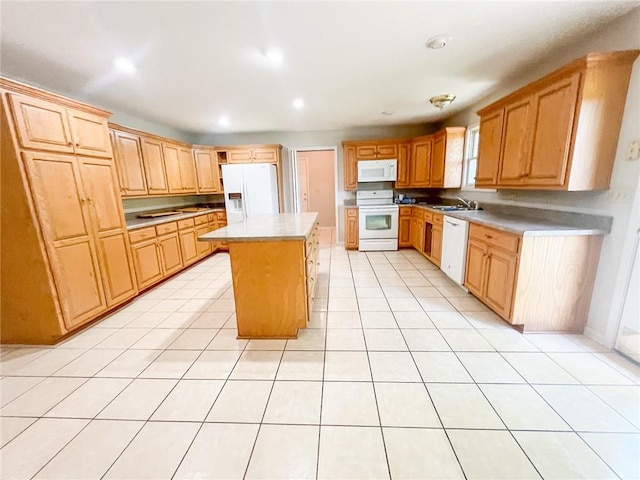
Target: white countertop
x,y
283,226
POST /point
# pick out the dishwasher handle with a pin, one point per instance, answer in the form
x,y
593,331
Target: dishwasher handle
x,y
452,224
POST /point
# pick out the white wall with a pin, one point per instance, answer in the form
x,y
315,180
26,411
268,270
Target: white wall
x,y
322,138
617,201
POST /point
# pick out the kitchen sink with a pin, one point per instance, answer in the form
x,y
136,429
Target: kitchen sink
x,y
450,208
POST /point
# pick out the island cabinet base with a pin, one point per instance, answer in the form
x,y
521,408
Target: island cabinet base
x,y
270,288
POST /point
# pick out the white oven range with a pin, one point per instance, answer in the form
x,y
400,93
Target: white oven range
x,y
378,220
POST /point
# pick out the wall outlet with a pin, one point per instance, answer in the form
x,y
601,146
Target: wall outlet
x,y
634,150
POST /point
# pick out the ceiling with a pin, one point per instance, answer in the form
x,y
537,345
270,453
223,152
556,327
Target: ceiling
x,y
349,61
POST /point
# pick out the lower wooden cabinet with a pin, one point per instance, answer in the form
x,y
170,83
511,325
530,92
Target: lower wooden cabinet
x,y
404,227
147,263
188,245
170,255
351,230
436,244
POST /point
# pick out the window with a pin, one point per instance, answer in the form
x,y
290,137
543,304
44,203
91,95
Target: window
x,y
471,157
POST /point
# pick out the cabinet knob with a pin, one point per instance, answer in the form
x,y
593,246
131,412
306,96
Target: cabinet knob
x,y
488,236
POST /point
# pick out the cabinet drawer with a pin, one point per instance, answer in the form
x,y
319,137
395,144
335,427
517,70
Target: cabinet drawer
x,y
202,219
427,216
497,238
142,234
212,217
352,211
405,211
437,218
221,215
184,224
167,228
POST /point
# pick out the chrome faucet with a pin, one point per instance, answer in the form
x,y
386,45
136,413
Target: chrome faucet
x,y
465,202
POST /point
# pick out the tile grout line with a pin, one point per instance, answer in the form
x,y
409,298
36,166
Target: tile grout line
x,y
324,362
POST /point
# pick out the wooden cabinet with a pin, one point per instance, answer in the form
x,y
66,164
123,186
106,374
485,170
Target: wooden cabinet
x,y
404,227
492,263
202,227
404,165
351,228
490,135
154,166
187,170
147,263
171,159
206,170
447,157
127,153
170,256
350,168
188,241
49,126
254,154
559,132
377,151
421,161
436,244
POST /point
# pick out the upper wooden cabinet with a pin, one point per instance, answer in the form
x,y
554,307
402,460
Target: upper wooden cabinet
x,y
171,159
187,170
404,165
48,126
559,132
206,170
421,151
447,157
377,150
154,166
254,154
350,168
127,152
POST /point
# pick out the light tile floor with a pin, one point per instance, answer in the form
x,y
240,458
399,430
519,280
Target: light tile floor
x,y
400,374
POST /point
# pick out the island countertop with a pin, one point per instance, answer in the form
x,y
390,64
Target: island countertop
x,y
283,226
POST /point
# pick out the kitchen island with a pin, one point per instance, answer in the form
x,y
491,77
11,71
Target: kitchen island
x,y
274,265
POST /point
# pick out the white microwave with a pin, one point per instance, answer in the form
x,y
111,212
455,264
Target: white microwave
x,y
377,170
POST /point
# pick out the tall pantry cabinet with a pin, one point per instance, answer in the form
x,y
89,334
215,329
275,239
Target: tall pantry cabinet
x,y
65,255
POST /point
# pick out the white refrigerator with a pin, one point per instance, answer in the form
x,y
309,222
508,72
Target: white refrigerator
x,y
249,189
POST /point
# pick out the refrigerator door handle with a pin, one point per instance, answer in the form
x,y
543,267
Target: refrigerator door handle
x,y
245,198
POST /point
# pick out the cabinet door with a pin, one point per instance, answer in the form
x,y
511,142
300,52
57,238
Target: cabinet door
x,y
90,134
172,167
554,112
404,232
188,246
204,248
154,166
500,283
205,170
62,209
265,155
41,125
437,160
421,164
436,244
515,142
404,166
366,152
475,273
107,220
239,155
147,263
187,170
386,152
351,230
490,138
350,168
170,253
128,157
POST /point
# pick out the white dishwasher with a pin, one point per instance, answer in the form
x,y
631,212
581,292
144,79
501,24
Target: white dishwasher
x,y
454,248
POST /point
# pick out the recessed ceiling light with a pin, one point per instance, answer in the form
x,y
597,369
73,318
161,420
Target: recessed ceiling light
x,y
124,65
388,112
298,103
438,42
275,56
223,121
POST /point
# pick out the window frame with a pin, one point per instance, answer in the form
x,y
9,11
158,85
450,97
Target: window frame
x,y
467,156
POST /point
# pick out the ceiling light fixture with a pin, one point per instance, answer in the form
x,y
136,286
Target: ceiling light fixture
x,y
388,112
298,103
442,101
275,56
223,121
438,42
125,66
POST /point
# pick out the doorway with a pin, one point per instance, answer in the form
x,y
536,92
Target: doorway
x,y
316,188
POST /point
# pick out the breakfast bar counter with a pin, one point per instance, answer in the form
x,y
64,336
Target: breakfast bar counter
x,y
274,265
